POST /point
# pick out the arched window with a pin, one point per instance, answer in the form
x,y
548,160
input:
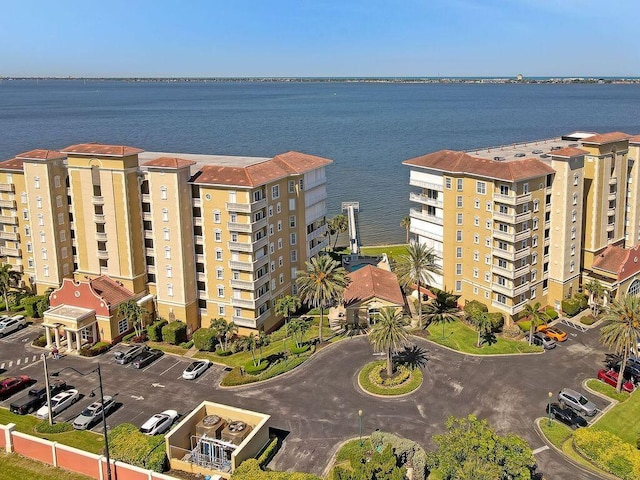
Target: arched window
x,y
163,192
166,233
634,288
165,214
169,271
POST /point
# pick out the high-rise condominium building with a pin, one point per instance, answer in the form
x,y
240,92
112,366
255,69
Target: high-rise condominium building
x,y
531,222
208,236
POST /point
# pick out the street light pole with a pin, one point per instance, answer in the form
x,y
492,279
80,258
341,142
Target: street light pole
x,y
549,409
46,386
360,423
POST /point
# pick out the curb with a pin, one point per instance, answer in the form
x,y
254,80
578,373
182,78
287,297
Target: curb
x,y
332,460
488,355
612,401
389,397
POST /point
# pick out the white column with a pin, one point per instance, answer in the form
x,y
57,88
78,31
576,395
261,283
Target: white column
x,y
94,332
56,334
78,340
47,332
8,439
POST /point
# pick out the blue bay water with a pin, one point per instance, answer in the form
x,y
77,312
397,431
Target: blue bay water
x,y
368,129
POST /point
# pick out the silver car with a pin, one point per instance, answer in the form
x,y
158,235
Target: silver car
x,y
93,413
577,401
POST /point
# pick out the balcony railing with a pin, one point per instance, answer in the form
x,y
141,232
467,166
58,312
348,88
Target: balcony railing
x,y
199,239
318,232
511,310
97,200
243,303
101,236
425,199
102,254
246,207
7,187
8,220
150,252
146,198
200,258
98,218
613,181
501,235
248,247
242,284
511,255
512,199
10,252
414,213
238,227
421,183
424,233
611,227
196,202
10,236
248,266
8,204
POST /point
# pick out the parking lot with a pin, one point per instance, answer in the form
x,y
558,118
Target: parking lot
x,y
318,403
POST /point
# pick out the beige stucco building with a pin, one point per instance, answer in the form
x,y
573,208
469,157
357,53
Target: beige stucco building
x,y
208,236
525,222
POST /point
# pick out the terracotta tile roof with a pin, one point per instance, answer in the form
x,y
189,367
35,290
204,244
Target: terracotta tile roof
x,y
373,282
40,154
635,139
460,162
296,162
111,291
607,138
101,149
568,152
169,162
620,261
12,164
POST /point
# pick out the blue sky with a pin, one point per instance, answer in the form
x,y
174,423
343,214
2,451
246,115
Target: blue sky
x,y
320,38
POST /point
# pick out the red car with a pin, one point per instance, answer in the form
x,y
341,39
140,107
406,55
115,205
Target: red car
x,y
11,385
611,377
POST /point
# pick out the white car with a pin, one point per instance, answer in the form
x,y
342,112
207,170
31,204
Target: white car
x,y
12,324
159,423
59,402
195,369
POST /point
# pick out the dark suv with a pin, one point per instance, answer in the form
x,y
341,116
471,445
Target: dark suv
x,y
566,416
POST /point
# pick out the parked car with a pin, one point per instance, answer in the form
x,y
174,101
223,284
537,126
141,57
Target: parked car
x,y
566,416
93,413
543,340
631,370
59,402
553,332
10,325
577,401
11,385
611,377
125,356
159,423
195,369
36,397
146,357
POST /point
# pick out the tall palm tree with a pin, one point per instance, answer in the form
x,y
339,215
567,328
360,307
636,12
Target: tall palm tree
x,y
5,283
482,321
623,329
322,283
417,267
287,305
230,332
219,325
596,290
337,225
134,313
388,334
536,317
406,224
251,342
443,309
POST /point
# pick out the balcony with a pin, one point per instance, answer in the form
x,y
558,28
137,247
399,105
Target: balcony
x,y
97,200
613,181
520,289
102,254
196,202
7,187
512,199
98,218
201,276
611,212
426,217
149,252
147,216
523,217
318,181
244,321
8,220
200,258
10,252
8,204
504,217
311,198
239,227
197,221
523,235
504,289
511,310
199,239
510,255
611,227
424,233
318,248
10,236
424,199
242,303
145,198
248,247
148,234
318,232
510,273
612,196
242,285
500,235
151,269
101,236
414,182
246,207
248,266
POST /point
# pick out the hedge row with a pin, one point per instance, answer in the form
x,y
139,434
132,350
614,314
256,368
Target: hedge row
x,y
474,307
608,452
44,427
154,331
270,450
407,451
205,339
175,333
250,470
94,350
127,444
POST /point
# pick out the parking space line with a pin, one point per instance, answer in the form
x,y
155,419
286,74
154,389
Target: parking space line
x,y
541,449
170,368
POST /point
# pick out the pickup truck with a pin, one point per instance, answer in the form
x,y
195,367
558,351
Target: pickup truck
x,y
36,397
146,357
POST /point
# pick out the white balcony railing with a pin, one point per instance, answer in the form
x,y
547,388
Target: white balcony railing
x,y
421,183
425,199
415,213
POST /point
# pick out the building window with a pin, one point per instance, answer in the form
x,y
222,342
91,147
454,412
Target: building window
x,y
533,293
501,298
292,204
488,224
459,184
576,177
458,269
65,269
476,221
40,219
459,201
279,244
536,205
458,235
447,183
534,274
458,286
169,271
44,253
218,235
525,188
38,202
30,262
292,221
170,289
280,261
458,219
575,198
487,259
216,216
572,266
487,242
574,215
29,247
275,192
476,239
163,192
270,210
46,270
475,273
458,252
166,234
219,273
278,207
167,253
218,254
273,266
123,326
27,231
221,310
60,218
573,249
476,203
534,241
165,215
293,239
271,229
63,252
272,247
301,184
534,223
23,198
292,186
36,182
573,233
59,201
220,289
43,237
279,225
481,188
476,255
294,255
534,258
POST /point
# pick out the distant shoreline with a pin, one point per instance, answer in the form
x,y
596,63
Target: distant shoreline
x,y
395,80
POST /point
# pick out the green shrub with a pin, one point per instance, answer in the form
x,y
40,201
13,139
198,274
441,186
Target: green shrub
x,y
41,341
270,450
128,337
97,349
551,313
582,300
251,369
401,376
187,345
608,452
30,305
205,339
301,349
154,331
570,306
16,308
223,353
588,320
525,325
127,444
235,377
175,332
44,427
406,451
497,321
250,470
474,307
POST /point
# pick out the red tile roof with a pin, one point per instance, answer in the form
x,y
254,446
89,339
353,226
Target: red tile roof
x,y
12,164
620,261
607,138
373,282
461,162
568,152
635,139
169,162
111,291
102,150
40,154
260,173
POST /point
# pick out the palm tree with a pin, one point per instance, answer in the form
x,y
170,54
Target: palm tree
x,y
596,290
134,313
322,283
298,328
388,334
250,343
219,325
406,224
417,267
443,309
623,329
231,331
287,305
536,317
482,321
337,225
5,283
262,341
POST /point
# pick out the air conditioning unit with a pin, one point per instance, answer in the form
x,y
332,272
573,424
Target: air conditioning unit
x,y
211,426
235,432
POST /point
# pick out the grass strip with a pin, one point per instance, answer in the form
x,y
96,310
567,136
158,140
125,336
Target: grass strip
x,y
622,420
16,467
607,390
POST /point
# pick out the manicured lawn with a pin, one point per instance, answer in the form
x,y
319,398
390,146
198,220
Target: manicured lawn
x,y
409,385
607,390
557,433
622,420
349,450
392,251
459,336
16,467
84,440
167,348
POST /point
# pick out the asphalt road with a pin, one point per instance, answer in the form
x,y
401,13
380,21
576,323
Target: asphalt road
x,y
318,403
